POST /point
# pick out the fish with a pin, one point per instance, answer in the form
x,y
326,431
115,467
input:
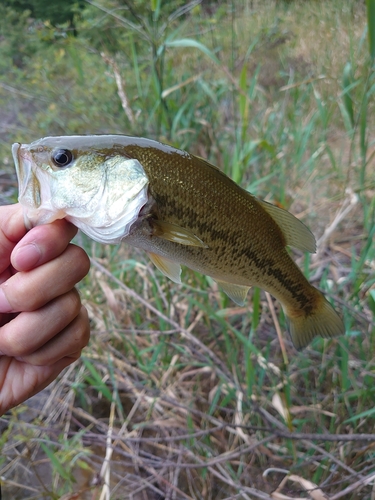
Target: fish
x,y
182,210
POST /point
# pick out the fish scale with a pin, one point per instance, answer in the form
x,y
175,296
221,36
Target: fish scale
x,y
182,211
242,266
215,228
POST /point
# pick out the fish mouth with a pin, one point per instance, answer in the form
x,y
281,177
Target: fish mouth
x,y
18,164
23,164
28,184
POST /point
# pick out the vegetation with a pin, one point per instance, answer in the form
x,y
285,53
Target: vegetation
x,y
182,395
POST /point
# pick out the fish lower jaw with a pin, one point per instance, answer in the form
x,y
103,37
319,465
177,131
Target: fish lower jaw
x,y
34,218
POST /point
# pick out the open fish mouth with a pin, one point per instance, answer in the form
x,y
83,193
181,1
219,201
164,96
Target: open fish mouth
x,y
29,187
34,193
22,161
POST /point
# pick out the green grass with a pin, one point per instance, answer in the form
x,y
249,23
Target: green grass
x,y
188,395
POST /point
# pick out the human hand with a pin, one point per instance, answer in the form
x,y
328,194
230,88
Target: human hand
x,y
43,326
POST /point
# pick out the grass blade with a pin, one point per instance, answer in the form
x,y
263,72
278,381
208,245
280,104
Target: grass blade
x,y
189,42
347,83
371,27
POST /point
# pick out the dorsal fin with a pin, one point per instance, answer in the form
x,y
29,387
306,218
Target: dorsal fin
x,y
296,234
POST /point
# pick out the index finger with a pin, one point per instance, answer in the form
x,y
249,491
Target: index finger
x,y
42,244
12,229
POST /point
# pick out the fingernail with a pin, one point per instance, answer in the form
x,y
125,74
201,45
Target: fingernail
x,y
5,307
27,256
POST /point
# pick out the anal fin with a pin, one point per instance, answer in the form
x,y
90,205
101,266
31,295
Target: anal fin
x,y
237,293
169,268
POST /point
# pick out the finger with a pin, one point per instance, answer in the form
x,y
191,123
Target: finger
x,y
28,291
19,381
29,331
67,344
42,244
12,229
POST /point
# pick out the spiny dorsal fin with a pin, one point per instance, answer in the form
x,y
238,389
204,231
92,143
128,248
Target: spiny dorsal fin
x,y
237,293
296,234
207,163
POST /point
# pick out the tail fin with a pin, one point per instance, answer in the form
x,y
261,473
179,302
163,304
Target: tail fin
x,y
324,321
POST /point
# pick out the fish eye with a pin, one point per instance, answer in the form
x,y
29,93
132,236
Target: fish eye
x,y
62,157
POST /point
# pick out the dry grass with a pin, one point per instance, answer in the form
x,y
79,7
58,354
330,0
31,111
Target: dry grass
x,y
182,422
181,395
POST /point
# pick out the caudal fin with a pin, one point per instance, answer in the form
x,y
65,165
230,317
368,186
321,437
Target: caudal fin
x,y
324,321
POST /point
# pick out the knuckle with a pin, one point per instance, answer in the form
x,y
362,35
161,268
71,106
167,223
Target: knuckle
x,y
79,261
74,356
73,304
85,328
26,294
80,328
18,294
14,346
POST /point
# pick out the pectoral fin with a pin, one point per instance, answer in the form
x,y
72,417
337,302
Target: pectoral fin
x,y
237,293
176,234
169,268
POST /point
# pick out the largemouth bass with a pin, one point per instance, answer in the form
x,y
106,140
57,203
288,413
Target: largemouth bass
x,y
181,210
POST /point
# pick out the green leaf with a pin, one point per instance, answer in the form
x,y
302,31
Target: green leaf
x,y
55,462
347,81
189,42
371,301
371,27
155,7
367,413
96,380
244,107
